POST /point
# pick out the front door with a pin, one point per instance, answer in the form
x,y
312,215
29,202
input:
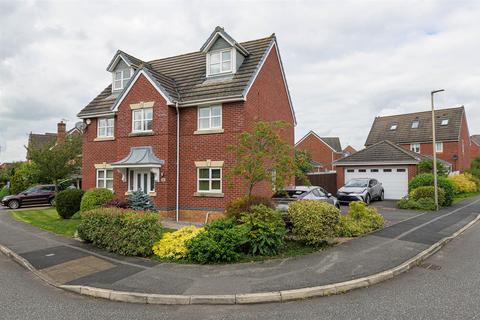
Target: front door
x,y
141,180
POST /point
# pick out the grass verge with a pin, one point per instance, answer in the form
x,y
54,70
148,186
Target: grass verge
x,y
48,219
463,196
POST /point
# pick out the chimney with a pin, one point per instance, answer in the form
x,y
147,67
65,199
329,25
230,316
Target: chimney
x,y
61,131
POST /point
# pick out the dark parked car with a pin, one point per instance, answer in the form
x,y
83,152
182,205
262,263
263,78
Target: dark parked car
x,y
361,189
40,194
283,198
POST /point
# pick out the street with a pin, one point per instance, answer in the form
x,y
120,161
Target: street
x,y
447,289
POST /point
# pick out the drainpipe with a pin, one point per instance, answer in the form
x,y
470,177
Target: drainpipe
x,y
178,164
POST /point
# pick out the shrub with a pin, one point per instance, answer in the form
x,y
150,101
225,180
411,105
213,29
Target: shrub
x,y
95,198
18,183
67,202
141,201
126,232
473,178
173,244
428,192
117,203
359,220
420,204
426,166
236,207
314,222
426,179
463,183
4,192
220,242
266,230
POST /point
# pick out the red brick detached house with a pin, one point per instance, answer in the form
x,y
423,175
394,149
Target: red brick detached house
x,y
413,131
188,107
474,146
322,150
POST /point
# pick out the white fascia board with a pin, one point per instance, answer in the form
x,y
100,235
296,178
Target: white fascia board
x,y
261,63
208,101
374,163
96,115
112,65
132,82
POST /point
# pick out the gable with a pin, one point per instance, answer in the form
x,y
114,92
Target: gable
x,y
220,43
120,65
332,143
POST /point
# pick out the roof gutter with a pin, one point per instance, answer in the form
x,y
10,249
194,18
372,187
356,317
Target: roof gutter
x,y
209,101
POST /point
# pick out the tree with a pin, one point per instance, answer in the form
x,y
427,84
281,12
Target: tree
x,y
426,166
57,162
262,155
25,175
303,162
475,167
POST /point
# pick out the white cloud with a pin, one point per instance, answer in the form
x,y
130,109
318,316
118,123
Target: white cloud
x,y
346,61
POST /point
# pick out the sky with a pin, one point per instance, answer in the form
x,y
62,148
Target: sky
x,y
345,61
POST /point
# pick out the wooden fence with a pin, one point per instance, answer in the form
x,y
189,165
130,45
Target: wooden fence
x,y
327,181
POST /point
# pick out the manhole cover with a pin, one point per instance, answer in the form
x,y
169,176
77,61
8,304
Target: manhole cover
x,y
430,266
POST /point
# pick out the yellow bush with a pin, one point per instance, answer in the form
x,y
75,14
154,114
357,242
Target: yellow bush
x,y
463,183
172,245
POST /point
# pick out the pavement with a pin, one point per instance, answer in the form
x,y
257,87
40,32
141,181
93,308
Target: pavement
x,y
71,262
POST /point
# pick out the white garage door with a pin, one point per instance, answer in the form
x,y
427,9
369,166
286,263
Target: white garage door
x,y
393,179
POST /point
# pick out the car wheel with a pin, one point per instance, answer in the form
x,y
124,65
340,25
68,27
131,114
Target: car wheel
x,y
382,195
52,202
367,199
13,204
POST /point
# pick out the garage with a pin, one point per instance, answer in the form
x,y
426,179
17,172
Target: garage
x,y
393,179
385,161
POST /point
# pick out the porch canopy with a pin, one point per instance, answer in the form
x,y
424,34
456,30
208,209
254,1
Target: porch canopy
x,y
138,158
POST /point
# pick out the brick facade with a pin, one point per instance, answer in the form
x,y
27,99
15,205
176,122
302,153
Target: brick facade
x,y
267,100
474,150
319,151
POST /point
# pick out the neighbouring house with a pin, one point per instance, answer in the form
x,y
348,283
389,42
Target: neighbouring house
x,y
474,146
413,132
322,150
40,140
385,161
163,126
348,151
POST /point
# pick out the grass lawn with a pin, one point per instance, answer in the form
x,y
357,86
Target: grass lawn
x,y
48,219
463,196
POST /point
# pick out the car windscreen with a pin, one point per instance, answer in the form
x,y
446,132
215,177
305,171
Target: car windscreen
x,y
357,183
289,194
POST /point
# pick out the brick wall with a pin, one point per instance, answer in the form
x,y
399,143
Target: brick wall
x,y
319,151
474,150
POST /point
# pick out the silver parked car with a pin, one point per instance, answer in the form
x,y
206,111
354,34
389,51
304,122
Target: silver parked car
x,y
361,189
283,198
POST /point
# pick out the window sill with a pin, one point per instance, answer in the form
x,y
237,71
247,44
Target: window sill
x,y
151,194
209,194
104,139
209,131
141,133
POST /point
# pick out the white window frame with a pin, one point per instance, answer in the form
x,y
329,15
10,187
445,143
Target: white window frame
x,y
142,120
125,75
221,61
438,147
151,175
393,126
209,117
415,124
209,179
104,179
444,122
105,126
413,147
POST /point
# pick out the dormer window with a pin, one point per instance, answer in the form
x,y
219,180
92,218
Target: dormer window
x,y
219,62
444,122
120,78
415,124
393,126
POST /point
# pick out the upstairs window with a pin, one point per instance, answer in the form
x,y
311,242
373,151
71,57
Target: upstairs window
x,y
142,120
219,62
415,124
438,147
105,128
393,126
120,78
444,122
210,118
415,147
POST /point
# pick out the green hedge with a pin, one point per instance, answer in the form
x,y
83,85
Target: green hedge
x,y
67,202
360,220
235,208
426,179
420,204
314,222
428,192
95,198
127,232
